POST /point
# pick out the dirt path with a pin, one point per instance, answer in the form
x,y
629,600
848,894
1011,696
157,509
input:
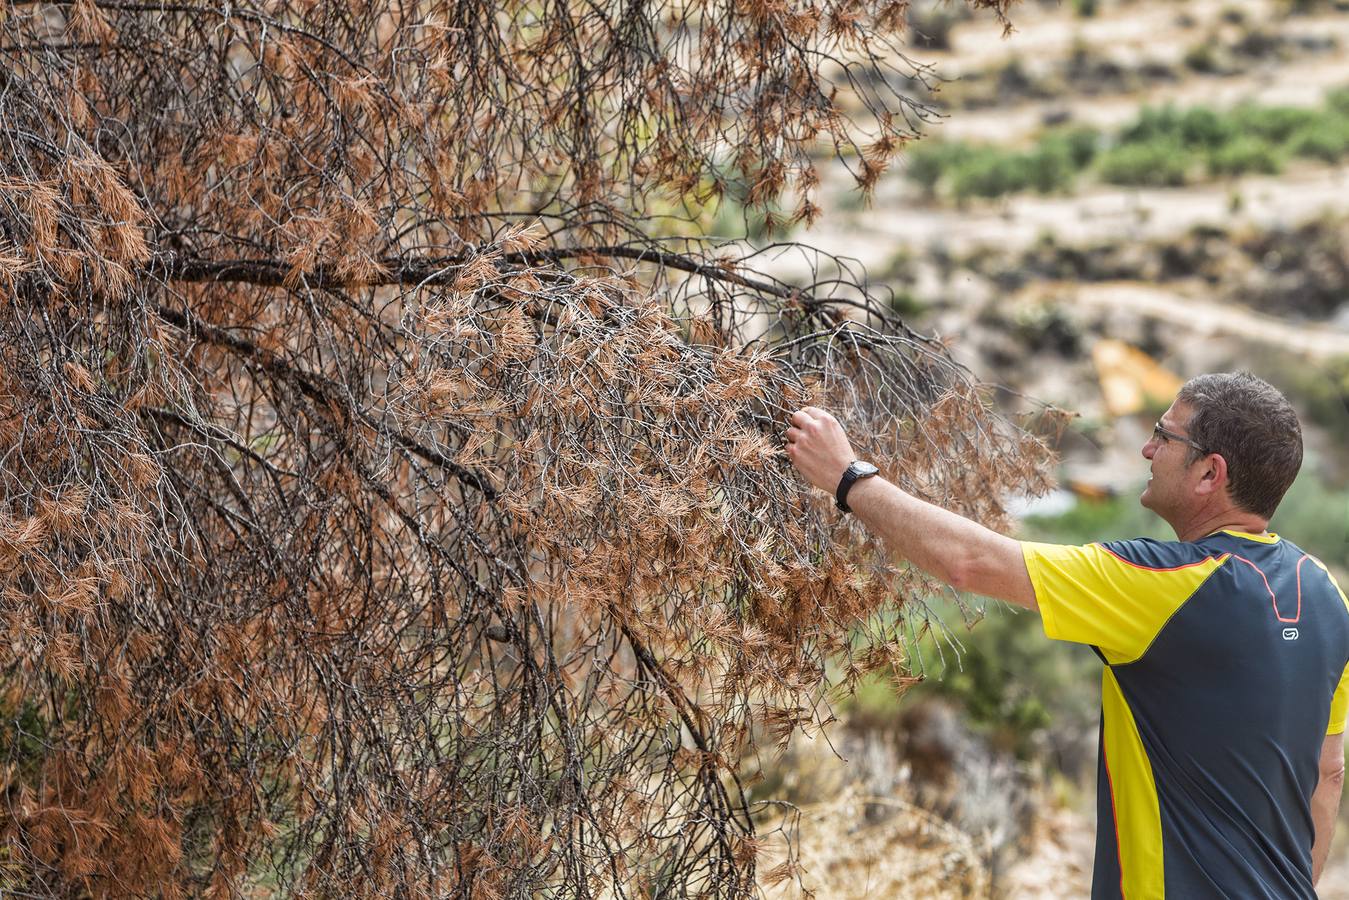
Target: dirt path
x,y
1200,317
1041,31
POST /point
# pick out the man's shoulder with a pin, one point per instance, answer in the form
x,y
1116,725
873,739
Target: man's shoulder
x,y
1158,555
1269,547
1274,560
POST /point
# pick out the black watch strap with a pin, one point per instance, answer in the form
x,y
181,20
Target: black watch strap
x,y
856,471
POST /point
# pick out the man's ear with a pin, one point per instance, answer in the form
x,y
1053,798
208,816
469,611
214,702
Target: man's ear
x,y
1214,476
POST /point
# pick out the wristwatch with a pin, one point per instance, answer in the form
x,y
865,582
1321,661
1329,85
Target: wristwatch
x,y
856,471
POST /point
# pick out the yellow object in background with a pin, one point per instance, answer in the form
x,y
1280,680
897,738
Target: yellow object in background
x,y
1130,379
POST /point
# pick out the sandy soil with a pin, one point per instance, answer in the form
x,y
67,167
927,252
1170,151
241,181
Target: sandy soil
x,y
1201,317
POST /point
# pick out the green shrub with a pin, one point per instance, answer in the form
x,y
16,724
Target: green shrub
x,y
1303,7
1338,100
1153,123
1049,167
1204,127
1316,518
1198,126
1160,162
1160,148
1273,123
1118,518
901,267
988,172
1245,155
1077,145
926,162
995,681
1024,692
1083,143
1326,140
906,304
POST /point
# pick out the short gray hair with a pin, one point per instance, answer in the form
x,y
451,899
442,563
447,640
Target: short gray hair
x,y
1253,427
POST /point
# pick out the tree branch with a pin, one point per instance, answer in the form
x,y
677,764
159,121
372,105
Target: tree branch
x,y
317,387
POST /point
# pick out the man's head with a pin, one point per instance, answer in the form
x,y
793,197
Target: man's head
x,y
1229,438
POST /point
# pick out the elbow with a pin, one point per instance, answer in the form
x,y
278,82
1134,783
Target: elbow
x,y
962,574
1000,576
1332,776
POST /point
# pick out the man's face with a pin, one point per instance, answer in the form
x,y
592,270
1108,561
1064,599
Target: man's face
x,y
1169,489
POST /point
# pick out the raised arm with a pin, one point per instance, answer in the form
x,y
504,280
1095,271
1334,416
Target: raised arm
x,y
947,546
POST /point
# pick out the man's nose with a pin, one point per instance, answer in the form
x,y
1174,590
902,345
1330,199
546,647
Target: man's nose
x,y
1149,448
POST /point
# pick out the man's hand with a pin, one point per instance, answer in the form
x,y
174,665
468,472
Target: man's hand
x,y
818,448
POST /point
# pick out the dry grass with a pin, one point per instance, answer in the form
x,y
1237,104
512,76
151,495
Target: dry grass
x,y
862,848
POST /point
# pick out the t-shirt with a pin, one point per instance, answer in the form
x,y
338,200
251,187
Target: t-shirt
x,y
1225,667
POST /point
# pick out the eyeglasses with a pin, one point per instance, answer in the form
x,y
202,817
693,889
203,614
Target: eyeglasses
x,y
1161,434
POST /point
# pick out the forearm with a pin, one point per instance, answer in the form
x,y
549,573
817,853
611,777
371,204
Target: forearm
x,y
951,547
926,535
1325,810
948,546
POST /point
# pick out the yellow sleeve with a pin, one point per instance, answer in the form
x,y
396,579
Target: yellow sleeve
x,y
1116,599
1339,705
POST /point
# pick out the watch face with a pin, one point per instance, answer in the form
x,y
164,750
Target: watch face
x,y
864,468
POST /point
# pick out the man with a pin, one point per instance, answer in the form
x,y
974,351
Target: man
x,y
1223,692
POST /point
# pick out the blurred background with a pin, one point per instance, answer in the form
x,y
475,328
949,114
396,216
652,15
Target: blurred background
x,y
1119,195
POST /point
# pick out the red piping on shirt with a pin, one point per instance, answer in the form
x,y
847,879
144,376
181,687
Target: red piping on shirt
x,y
1207,559
1274,601
1298,572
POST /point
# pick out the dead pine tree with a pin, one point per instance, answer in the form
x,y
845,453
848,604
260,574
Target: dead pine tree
x,y
393,499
